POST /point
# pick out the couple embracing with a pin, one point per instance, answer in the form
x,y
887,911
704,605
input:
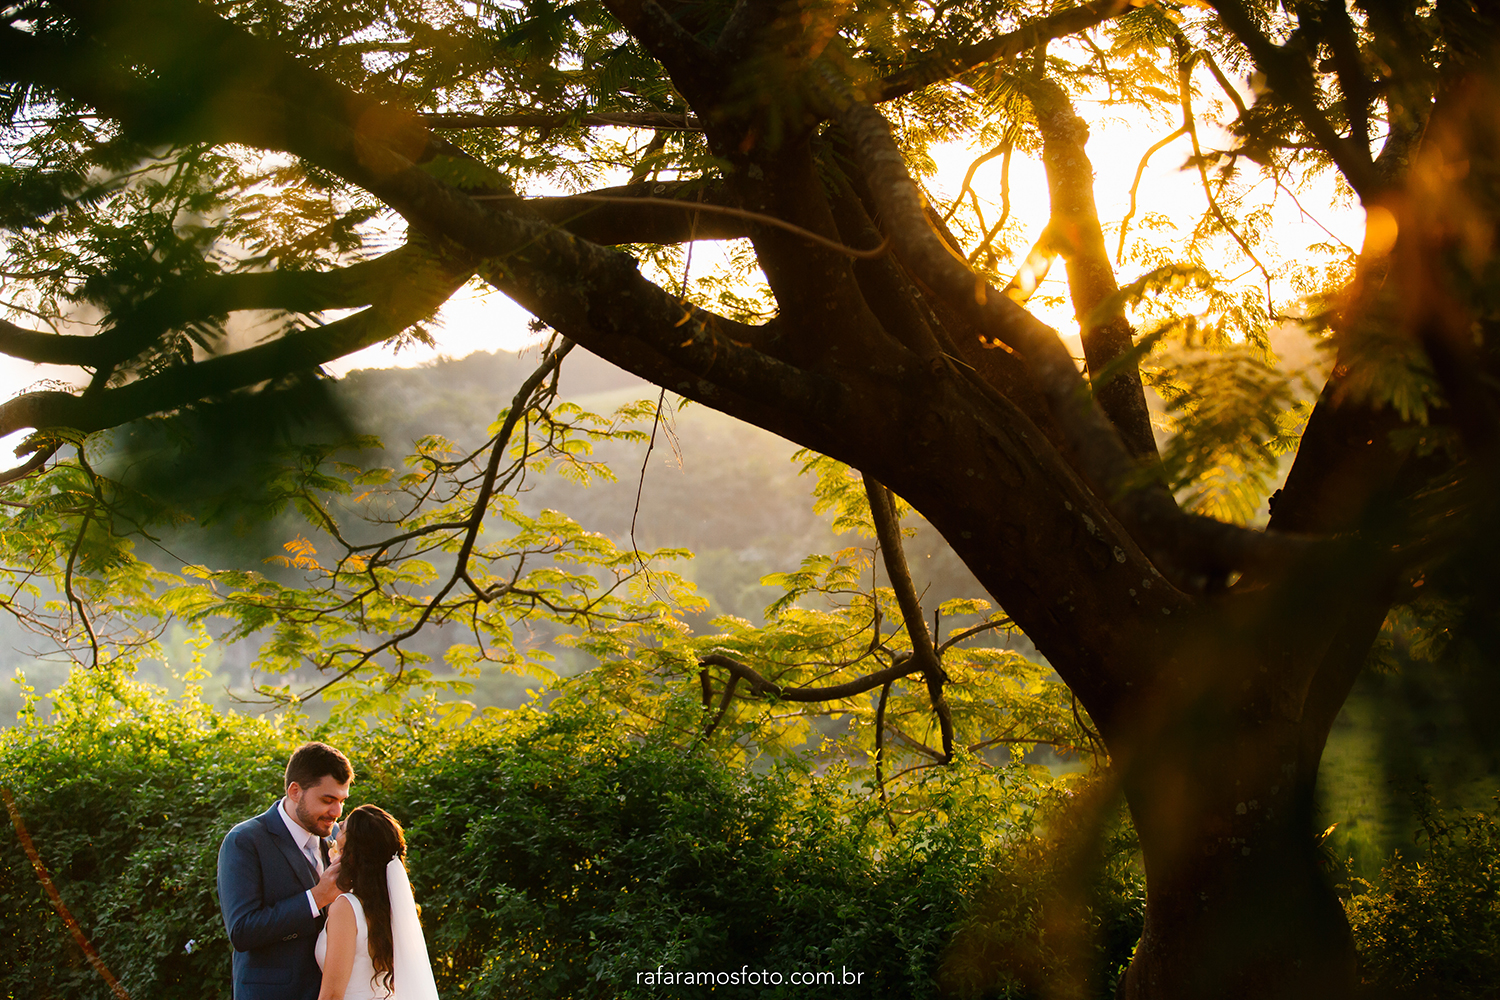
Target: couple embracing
x,y
318,910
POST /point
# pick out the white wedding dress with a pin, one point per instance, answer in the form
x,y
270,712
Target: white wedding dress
x,y
412,965
363,985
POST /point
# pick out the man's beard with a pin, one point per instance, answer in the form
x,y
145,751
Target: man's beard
x,y
311,823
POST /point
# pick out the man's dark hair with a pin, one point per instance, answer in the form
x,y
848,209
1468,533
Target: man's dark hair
x,y
311,762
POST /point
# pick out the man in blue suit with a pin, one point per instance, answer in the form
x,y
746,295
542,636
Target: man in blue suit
x,y
276,878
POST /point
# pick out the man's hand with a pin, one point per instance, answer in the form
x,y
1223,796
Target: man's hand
x,y
327,890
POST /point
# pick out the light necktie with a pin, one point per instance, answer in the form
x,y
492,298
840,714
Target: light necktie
x,y
312,856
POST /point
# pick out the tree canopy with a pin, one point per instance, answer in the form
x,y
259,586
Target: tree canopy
x,y
236,193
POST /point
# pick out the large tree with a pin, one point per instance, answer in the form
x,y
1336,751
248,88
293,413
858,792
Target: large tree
x,y
172,163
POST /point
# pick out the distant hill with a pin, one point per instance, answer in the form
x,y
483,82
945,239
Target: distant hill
x,y
725,490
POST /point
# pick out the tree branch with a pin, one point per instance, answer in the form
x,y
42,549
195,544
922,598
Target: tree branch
x,y
1190,125
1135,184
935,67
763,688
691,209
635,213
661,120
1290,75
1076,234
1189,549
176,304
924,654
885,695
420,292
288,108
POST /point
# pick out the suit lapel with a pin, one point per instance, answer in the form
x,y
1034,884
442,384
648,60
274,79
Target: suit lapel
x,y
301,867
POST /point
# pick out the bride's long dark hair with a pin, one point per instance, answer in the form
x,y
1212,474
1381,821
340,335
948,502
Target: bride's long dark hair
x,y
371,838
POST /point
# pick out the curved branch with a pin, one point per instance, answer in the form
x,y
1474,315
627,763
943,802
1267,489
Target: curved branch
x,y
696,208
1190,125
763,688
924,654
885,695
666,121
1136,184
73,598
634,213
724,700
1207,59
1003,149
935,67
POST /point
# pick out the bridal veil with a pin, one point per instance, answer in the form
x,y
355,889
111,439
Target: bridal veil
x,y
409,959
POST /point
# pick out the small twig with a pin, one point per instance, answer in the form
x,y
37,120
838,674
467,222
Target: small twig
x,y
986,244
1003,149
918,746
74,599
1135,186
885,693
1309,216
958,637
1094,737
888,533
1189,123
640,485
724,701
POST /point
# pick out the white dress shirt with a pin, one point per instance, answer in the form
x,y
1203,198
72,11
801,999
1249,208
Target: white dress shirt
x,y
304,840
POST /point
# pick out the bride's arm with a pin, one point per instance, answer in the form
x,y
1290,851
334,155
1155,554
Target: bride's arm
x,y
338,963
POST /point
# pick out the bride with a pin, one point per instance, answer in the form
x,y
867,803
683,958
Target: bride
x,y
372,946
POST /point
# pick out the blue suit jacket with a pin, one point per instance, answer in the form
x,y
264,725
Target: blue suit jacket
x,y
263,883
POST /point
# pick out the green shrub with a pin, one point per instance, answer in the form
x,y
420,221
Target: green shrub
x,y
1058,916
1431,925
553,856
126,798
566,861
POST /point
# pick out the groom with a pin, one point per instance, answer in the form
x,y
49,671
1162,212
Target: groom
x,y
275,879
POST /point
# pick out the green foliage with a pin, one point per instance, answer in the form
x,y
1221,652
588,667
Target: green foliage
x,y
1431,925
1235,415
395,539
833,622
127,796
616,857
553,854
1058,916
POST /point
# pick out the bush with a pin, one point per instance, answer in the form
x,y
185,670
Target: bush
x,y
553,857
1431,925
127,799
562,860
1057,916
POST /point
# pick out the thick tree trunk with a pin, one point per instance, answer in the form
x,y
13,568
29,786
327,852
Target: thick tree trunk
x,y
1237,904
